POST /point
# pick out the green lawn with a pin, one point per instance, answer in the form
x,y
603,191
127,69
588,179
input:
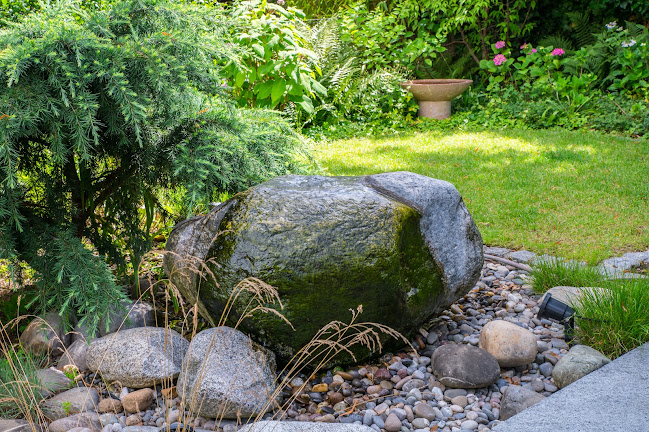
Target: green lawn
x,y
573,194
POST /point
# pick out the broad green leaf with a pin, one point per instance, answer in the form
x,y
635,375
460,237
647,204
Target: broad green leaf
x,y
278,91
263,89
258,49
306,104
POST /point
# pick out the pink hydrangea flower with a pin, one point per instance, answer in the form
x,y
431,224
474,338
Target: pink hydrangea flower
x,y
499,59
557,52
524,46
533,50
500,44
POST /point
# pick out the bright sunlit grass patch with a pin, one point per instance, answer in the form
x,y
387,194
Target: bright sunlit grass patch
x,y
574,194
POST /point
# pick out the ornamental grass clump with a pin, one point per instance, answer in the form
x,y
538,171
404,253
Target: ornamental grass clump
x,y
553,272
614,320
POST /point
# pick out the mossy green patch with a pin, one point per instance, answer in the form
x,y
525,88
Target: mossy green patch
x,y
326,253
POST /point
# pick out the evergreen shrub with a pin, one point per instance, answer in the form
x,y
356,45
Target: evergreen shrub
x,y
99,111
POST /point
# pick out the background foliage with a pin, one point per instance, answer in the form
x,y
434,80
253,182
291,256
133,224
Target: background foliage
x,y
99,112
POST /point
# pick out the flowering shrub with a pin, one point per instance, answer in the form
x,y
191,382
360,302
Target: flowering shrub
x,y
620,57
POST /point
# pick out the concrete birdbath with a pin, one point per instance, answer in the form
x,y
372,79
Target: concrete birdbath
x,y
435,95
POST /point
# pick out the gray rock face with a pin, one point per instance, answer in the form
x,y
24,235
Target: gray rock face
x,y
84,420
522,256
402,244
572,295
464,366
77,400
128,315
516,399
52,381
14,425
75,354
280,426
45,335
226,375
579,362
138,357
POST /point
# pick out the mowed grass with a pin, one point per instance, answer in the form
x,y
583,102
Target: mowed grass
x,y
572,194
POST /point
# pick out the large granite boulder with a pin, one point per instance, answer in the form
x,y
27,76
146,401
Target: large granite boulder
x,y
401,244
227,375
138,357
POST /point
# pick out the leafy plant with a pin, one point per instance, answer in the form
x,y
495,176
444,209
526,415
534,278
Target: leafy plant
x,y
100,110
67,406
276,68
354,91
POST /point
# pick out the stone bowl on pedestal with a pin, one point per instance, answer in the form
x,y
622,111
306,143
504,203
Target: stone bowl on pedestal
x,y
435,95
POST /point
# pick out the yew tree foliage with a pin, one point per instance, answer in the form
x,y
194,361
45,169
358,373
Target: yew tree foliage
x,y
98,111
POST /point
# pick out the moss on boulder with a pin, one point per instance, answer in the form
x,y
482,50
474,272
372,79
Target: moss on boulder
x,y
330,244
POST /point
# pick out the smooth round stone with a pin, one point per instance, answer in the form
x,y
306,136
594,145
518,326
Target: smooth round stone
x,y
546,369
424,411
420,423
509,343
579,362
469,425
537,385
374,389
418,375
387,385
461,401
377,420
400,413
392,423
456,408
413,384
464,366
472,415
549,387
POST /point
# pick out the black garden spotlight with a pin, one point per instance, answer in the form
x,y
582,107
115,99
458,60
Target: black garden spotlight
x,y
558,310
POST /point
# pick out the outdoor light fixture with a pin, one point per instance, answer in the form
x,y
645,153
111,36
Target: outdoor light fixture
x,y
558,310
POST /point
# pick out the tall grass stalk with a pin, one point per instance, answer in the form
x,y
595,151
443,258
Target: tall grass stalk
x,y
614,320
550,273
20,389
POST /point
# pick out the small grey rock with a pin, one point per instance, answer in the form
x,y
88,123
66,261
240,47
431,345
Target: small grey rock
x,y
516,399
74,401
579,362
87,420
464,366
